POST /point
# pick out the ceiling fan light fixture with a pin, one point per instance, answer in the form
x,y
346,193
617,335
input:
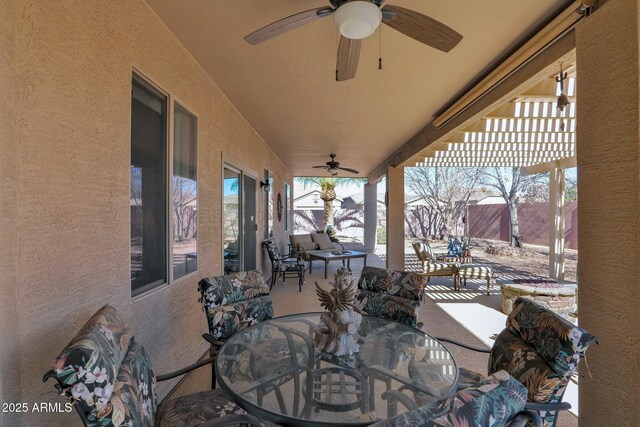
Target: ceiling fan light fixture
x,y
333,171
358,19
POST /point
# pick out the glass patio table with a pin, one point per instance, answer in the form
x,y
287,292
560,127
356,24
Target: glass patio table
x,y
272,370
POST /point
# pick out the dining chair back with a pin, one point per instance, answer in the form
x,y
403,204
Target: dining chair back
x,y
539,348
391,294
108,377
284,265
498,400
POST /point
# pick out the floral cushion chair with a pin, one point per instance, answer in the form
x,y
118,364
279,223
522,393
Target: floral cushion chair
x,y
498,400
391,294
284,265
232,303
107,375
541,350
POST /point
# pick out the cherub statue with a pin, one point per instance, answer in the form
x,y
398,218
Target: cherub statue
x,y
338,326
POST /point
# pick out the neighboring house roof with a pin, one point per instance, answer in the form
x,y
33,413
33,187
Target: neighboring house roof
x,y
491,200
311,201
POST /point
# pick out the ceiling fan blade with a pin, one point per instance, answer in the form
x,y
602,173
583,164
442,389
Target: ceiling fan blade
x,y
348,57
319,167
348,170
287,24
421,28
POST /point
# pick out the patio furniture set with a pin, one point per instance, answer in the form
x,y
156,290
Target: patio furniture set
x,y
309,248
460,267
268,370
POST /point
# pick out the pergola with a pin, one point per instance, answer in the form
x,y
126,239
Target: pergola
x,y
528,131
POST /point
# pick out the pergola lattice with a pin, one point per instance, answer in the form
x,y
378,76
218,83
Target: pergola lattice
x,y
529,130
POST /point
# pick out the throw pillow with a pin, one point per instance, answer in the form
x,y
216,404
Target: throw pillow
x,y
301,238
307,246
323,241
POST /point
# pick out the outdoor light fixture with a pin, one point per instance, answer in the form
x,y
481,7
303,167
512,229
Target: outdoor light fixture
x,y
333,171
265,185
358,19
563,101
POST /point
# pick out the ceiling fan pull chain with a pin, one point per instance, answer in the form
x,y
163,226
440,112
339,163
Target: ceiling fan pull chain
x,y
337,47
380,48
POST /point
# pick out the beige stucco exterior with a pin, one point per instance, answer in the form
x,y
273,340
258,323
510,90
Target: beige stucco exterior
x,y
608,150
65,120
395,218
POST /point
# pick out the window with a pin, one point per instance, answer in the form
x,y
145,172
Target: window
x,y
184,193
148,202
285,210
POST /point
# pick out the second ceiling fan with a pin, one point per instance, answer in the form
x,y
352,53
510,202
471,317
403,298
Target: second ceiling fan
x,y
357,20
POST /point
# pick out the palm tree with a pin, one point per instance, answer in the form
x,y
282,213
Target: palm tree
x,y
328,192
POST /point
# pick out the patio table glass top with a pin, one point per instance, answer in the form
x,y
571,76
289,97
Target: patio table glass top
x,y
272,370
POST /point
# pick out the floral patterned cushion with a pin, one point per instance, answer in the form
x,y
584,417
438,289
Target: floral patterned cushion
x,y
559,342
387,306
89,364
397,283
224,321
133,401
195,409
516,357
272,249
230,288
494,401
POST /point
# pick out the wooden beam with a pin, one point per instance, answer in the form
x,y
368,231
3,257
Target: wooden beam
x,y
533,72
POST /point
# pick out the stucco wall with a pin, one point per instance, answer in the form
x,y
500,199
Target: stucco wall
x,y
8,330
65,176
608,151
492,222
395,218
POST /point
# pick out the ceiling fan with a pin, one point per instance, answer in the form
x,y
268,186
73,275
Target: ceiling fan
x,y
357,20
333,167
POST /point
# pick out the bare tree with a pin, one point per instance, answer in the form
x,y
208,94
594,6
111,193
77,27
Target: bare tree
x,y
513,186
445,190
184,213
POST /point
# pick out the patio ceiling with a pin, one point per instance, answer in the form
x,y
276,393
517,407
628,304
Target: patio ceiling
x,y
286,87
525,131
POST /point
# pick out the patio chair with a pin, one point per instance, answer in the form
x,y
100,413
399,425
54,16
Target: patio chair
x,y
287,265
498,400
390,294
107,376
430,266
541,350
232,303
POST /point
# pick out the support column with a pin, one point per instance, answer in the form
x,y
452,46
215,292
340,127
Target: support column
x,y
370,215
395,218
608,151
556,223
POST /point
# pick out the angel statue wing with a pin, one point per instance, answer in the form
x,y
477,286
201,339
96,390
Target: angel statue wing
x,y
326,299
344,298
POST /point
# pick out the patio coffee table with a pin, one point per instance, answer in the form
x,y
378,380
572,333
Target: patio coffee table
x,y
272,370
327,256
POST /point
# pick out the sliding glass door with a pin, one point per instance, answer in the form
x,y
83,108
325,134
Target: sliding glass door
x,y
250,224
239,225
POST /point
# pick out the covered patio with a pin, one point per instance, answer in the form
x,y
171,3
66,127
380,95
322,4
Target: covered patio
x,y
148,150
